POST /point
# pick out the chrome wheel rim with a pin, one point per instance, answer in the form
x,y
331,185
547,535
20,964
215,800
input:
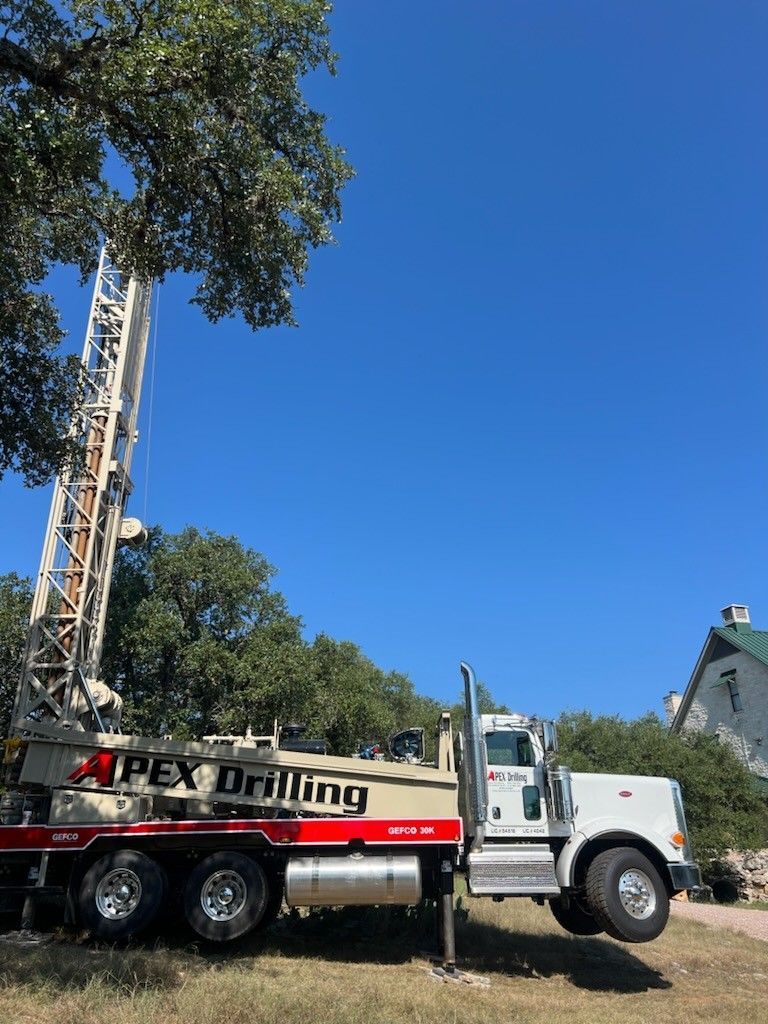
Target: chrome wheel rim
x,y
637,894
223,895
118,894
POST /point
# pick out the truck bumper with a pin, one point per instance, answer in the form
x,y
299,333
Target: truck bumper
x,y
684,876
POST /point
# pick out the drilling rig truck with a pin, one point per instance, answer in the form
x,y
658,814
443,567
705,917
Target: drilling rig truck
x,y
117,829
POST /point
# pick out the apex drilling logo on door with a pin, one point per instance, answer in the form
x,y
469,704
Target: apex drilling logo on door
x,y
504,776
117,771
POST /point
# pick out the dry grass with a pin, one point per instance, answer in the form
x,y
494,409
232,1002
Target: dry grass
x,y
342,971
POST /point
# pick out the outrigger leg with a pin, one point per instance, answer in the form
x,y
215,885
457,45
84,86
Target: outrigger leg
x,y
446,931
447,935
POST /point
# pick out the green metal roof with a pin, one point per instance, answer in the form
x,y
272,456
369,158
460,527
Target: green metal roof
x,y
751,641
754,642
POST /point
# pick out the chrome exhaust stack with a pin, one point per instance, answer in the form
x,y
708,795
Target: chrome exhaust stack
x,y
473,738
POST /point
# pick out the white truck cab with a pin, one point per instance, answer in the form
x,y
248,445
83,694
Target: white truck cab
x,y
607,851
516,781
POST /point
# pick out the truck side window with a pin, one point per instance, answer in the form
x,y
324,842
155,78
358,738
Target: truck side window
x,y
531,803
509,748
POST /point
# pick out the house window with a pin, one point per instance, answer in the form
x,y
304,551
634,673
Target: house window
x,y
733,690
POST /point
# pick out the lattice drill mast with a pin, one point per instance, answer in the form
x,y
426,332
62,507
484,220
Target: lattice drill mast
x,y
60,676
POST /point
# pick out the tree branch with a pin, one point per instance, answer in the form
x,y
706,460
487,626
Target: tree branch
x,y
19,61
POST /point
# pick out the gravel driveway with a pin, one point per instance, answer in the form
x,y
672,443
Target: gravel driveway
x,y
751,922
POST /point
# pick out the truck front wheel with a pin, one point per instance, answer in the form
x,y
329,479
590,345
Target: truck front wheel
x,y
627,896
572,916
226,895
121,894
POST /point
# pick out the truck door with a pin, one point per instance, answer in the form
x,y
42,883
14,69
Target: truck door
x,y
515,781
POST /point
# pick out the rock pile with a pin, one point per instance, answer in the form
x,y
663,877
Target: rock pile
x,y
740,876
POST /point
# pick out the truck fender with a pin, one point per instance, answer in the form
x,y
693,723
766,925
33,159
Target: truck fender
x,y
624,833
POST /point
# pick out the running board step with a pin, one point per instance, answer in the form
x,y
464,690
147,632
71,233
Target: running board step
x,y
512,871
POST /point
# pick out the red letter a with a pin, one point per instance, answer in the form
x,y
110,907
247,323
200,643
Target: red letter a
x,y
100,767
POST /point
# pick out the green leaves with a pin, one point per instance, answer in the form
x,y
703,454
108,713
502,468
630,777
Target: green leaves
x,y
182,613
234,180
15,601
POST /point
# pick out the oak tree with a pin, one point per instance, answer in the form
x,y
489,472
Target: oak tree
x,y
178,131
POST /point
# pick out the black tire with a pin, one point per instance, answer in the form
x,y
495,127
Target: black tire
x,y
572,916
121,894
226,896
626,894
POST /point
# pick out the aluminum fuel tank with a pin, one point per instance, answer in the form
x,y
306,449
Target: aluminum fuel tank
x,y
356,880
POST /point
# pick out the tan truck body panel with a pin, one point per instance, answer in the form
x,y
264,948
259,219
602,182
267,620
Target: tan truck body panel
x,y
82,763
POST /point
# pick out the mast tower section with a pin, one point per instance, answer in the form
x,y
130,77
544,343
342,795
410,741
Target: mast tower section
x,y
59,682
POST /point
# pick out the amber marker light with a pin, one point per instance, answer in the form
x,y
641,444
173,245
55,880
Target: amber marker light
x,y
677,839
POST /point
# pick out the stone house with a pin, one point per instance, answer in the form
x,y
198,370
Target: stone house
x,y
727,694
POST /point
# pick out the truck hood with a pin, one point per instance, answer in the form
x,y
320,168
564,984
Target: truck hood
x,y
637,803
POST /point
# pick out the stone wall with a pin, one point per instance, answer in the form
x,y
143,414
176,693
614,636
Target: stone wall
x,y
741,876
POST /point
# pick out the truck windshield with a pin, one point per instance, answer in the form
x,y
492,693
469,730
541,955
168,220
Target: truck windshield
x,y
509,748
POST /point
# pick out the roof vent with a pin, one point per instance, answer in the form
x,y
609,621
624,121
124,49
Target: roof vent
x,y
736,615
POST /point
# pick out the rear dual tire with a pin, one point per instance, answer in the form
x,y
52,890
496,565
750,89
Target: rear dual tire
x,y
121,894
226,896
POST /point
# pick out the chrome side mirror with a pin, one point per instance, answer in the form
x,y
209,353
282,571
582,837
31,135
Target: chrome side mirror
x,y
549,737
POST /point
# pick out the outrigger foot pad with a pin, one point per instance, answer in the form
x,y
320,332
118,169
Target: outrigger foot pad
x,y
455,975
26,937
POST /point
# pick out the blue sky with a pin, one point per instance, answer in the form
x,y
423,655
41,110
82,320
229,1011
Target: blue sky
x,y
522,421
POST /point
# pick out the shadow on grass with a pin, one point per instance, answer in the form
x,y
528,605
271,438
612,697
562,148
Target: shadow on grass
x,y
589,963
348,935
393,937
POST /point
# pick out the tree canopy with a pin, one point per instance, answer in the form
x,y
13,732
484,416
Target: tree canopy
x,y
15,602
228,171
722,805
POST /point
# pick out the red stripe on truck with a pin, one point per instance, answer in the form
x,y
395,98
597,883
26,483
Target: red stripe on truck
x,y
280,831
